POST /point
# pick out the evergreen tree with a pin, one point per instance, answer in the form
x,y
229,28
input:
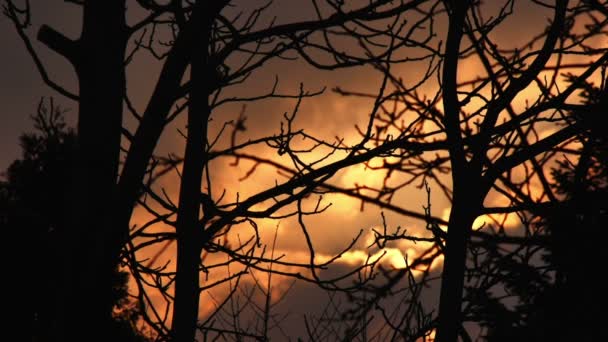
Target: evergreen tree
x,y
33,202
559,301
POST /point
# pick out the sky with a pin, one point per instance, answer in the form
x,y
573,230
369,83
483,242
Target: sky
x,y
327,116
22,87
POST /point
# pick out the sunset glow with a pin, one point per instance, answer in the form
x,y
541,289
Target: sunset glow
x,y
327,170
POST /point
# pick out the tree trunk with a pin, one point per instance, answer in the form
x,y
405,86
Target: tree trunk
x,y
91,248
452,279
152,124
465,201
189,229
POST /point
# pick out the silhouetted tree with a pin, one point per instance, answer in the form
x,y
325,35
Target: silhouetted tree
x,y
33,205
33,209
561,290
222,48
472,135
486,140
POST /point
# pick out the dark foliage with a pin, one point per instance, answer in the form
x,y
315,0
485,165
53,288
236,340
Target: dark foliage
x,y
560,300
33,200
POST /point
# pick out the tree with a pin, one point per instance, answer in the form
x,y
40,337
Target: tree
x,y
32,204
220,50
495,131
475,138
558,290
31,209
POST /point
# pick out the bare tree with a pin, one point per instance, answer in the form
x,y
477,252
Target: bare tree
x,y
484,137
494,130
221,48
